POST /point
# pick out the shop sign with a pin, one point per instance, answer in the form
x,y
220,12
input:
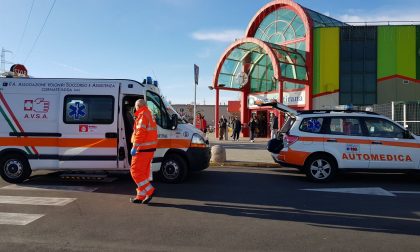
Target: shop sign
x,y
295,98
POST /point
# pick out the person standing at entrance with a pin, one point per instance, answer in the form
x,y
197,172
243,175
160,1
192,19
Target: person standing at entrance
x,y
274,125
144,141
223,128
236,128
252,127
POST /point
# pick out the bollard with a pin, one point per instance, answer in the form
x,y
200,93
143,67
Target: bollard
x,y
218,154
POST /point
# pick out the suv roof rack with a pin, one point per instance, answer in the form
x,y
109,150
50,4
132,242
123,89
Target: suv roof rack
x,y
327,111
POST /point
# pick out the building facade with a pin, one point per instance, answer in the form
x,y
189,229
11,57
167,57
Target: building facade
x,y
307,60
186,111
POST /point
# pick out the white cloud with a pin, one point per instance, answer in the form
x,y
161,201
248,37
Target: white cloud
x,y
380,16
218,36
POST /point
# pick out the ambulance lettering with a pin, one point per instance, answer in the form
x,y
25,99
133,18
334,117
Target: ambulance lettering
x,y
377,157
36,109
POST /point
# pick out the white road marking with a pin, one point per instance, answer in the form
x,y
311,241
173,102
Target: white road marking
x,y
366,191
50,187
18,218
36,201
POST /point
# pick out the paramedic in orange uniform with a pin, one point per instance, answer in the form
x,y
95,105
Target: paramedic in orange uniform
x,y
144,141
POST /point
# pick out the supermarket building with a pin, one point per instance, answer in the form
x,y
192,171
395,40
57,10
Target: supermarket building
x,y
307,60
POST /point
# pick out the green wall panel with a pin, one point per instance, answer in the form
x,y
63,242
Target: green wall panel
x,y
316,61
326,60
397,51
418,52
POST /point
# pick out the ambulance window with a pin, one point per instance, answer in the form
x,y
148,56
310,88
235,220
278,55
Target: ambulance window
x,y
157,107
345,126
378,127
311,125
88,109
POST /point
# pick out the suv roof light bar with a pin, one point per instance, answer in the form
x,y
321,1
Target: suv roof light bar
x,y
327,111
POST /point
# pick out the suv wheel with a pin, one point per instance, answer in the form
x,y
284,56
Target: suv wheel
x,y
15,168
321,168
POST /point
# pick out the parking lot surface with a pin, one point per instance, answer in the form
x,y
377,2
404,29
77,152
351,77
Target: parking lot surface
x,y
220,209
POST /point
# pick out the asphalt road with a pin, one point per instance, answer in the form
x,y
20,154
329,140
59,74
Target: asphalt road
x,y
220,209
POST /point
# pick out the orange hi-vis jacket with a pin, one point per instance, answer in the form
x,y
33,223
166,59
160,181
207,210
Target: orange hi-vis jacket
x,y
144,136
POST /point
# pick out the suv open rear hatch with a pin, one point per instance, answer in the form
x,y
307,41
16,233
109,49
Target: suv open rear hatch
x,y
280,106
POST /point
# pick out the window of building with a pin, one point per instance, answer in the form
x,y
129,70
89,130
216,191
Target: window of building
x,y
88,109
358,65
280,26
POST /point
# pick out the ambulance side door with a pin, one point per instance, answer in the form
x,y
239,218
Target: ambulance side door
x,y
345,138
391,148
88,124
157,107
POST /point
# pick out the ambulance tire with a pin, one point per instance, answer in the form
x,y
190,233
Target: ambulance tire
x,y
174,169
15,168
320,168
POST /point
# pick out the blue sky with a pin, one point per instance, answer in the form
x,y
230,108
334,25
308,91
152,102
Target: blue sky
x,y
162,38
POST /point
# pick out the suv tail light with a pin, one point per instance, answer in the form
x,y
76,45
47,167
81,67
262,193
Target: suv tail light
x,y
289,140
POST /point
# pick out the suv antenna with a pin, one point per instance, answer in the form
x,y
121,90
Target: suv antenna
x,y
154,75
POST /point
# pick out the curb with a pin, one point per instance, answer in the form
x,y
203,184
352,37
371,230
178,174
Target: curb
x,y
245,164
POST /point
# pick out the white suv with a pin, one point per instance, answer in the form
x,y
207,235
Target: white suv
x,y
320,143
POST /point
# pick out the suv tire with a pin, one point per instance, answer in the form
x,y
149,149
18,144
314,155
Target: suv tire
x,y
321,168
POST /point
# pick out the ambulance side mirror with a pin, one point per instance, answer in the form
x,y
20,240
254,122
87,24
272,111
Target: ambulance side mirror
x,y
174,121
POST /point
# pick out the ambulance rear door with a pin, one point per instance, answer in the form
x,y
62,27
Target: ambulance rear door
x,y
88,124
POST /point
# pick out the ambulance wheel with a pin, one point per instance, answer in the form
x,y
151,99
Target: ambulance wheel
x,y
173,169
15,168
320,168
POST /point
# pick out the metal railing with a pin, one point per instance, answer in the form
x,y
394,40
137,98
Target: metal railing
x,y
405,113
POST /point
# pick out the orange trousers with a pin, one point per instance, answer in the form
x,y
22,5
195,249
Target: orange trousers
x,y
140,172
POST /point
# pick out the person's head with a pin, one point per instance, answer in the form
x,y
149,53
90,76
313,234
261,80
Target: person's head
x,y
140,103
223,117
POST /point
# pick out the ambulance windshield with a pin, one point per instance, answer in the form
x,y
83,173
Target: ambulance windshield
x,y
171,111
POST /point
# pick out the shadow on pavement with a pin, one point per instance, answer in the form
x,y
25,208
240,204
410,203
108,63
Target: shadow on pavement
x,y
275,194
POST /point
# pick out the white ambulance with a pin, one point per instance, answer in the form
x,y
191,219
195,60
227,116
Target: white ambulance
x,y
86,125
321,143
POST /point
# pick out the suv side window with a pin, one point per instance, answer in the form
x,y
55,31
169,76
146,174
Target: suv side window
x,y
311,125
378,127
346,126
